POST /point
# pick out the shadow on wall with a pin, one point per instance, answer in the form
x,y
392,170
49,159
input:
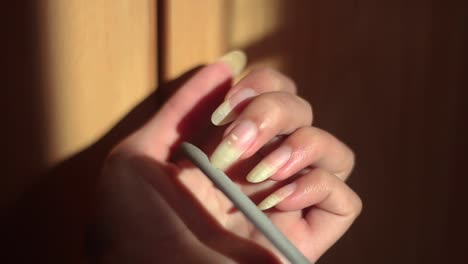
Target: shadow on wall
x,y
24,136
44,210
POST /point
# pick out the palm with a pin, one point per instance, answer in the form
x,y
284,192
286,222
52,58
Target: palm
x,y
215,205
223,210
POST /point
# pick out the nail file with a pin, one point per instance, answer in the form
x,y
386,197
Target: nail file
x,y
244,204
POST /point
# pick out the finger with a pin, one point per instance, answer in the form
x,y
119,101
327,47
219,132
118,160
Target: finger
x,y
264,80
308,146
334,206
266,116
196,98
257,82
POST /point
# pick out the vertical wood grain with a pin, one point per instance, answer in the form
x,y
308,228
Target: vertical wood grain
x,y
193,34
102,62
199,32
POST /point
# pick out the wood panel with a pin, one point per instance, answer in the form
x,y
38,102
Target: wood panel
x,y
192,34
102,62
198,32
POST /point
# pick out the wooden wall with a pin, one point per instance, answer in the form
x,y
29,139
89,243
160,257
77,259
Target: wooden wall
x,y
387,77
102,63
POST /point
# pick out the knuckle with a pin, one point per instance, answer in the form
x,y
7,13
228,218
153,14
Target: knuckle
x,y
352,159
309,135
319,181
265,79
115,159
290,84
309,109
265,111
119,158
321,176
347,163
272,79
265,72
114,163
271,103
351,204
356,205
307,142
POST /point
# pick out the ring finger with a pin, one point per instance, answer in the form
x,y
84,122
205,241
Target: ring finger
x,y
308,146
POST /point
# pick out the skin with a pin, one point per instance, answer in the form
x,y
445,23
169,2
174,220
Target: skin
x,y
157,206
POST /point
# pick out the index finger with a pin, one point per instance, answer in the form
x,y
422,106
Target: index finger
x,y
188,107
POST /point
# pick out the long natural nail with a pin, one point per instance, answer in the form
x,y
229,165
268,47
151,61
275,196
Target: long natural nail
x,y
236,60
270,165
224,113
276,197
234,145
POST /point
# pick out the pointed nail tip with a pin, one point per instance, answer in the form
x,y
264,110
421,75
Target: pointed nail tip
x,y
219,122
249,180
263,208
222,115
238,54
228,119
252,179
215,121
236,60
258,175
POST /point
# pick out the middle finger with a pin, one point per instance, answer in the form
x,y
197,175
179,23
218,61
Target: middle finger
x,y
266,116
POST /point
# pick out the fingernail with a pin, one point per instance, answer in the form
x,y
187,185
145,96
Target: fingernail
x,y
276,197
224,114
270,165
236,60
234,145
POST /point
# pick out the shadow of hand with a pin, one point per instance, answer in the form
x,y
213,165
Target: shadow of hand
x,y
50,220
55,220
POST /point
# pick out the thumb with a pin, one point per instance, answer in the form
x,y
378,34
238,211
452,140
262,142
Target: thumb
x,y
192,103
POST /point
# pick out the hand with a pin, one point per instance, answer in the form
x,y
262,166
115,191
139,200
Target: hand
x,y
161,208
